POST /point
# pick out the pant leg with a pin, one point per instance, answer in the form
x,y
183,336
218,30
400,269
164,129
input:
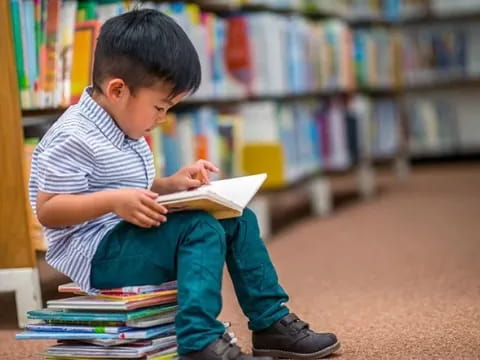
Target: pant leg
x,y
254,277
189,247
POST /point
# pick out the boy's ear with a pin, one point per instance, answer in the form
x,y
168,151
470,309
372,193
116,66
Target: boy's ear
x,y
116,89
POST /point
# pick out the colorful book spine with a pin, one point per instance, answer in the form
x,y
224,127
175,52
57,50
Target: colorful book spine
x,y
30,48
52,29
64,74
19,53
86,34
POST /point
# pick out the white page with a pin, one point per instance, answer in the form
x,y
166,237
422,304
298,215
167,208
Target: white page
x,y
239,190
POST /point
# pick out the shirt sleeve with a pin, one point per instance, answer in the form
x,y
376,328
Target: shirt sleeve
x,y
64,167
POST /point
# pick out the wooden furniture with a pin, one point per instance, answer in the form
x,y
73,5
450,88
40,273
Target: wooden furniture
x,y
18,271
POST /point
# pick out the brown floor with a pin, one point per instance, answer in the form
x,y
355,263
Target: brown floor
x,y
395,278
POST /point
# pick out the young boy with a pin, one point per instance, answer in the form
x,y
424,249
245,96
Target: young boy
x,y
93,188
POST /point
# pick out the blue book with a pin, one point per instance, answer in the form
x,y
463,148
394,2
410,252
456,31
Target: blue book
x,y
164,330
219,71
29,29
391,10
78,328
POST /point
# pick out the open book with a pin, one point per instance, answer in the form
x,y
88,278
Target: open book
x,y
223,199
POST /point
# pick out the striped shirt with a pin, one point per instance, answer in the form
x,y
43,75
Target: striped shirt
x,y
85,152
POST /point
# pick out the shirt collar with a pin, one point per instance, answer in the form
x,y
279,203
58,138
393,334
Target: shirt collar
x,y
96,114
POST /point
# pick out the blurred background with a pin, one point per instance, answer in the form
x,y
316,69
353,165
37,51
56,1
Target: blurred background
x,y
363,113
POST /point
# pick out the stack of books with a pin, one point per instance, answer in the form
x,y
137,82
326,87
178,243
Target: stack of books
x,y
126,323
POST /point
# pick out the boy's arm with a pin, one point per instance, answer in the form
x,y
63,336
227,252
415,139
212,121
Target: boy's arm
x,y
137,206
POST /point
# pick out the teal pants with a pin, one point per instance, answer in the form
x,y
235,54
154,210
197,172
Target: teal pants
x,y
192,247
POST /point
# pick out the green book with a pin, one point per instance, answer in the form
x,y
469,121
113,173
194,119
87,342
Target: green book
x,y
18,48
47,314
87,10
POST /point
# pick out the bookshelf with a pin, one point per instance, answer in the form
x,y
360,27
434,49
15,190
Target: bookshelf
x,y
18,271
317,179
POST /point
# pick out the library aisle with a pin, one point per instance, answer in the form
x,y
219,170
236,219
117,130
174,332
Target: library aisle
x,y
395,278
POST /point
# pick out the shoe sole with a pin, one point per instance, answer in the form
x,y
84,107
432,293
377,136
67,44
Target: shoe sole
x,y
280,354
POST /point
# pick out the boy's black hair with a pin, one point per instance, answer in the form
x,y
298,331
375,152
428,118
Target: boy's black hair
x,y
143,47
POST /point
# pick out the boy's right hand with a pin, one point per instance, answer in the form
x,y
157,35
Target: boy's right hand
x,y
138,206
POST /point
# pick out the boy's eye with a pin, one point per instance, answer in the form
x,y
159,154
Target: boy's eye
x,y
159,109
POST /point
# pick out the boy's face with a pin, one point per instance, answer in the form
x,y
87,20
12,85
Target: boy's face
x,y
137,114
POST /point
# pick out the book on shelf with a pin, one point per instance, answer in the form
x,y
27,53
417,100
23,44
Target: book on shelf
x,y
460,7
86,33
433,127
223,198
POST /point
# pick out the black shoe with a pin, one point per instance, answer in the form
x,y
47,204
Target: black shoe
x,y
221,349
291,338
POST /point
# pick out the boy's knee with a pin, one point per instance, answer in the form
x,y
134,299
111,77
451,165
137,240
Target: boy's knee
x,y
197,217
249,216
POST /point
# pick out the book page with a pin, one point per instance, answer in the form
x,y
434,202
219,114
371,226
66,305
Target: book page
x,y
239,190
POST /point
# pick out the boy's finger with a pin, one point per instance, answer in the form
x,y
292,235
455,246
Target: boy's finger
x,y
210,166
193,183
152,204
204,176
153,215
143,221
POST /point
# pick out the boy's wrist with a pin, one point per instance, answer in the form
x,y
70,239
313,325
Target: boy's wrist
x,y
164,185
111,199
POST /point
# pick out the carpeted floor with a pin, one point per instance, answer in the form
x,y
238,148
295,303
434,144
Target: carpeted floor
x,y
395,278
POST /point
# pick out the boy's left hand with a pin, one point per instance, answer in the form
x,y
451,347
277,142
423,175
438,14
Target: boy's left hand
x,y
193,176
